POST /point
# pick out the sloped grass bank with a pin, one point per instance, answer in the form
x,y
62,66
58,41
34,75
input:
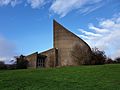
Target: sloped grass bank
x,y
99,77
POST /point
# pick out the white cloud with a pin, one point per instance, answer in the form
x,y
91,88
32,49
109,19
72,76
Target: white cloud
x,y
60,7
7,50
89,33
63,7
97,30
116,54
13,3
36,3
4,2
109,31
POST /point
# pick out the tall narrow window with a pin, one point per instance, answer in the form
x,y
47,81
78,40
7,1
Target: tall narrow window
x,y
41,61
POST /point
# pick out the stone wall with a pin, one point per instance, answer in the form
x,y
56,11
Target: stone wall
x,y
51,60
32,58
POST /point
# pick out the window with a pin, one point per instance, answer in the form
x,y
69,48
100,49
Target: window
x,y
41,61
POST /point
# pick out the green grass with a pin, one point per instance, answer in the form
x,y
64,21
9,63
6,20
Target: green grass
x,y
101,77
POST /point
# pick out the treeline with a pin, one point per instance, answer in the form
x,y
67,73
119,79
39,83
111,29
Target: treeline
x,y
96,57
20,63
99,57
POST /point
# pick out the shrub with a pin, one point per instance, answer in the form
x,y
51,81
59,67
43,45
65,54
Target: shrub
x,y
98,57
2,65
21,62
117,60
109,61
11,66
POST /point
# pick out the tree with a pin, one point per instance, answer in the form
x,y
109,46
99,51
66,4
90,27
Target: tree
x,y
2,65
98,57
21,62
117,59
109,61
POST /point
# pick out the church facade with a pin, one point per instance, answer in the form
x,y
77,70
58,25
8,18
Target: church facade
x,y
68,50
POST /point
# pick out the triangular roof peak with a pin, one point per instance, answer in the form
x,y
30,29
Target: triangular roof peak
x,y
55,22
58,27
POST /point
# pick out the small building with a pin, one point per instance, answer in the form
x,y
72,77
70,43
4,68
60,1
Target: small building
x,y
68,50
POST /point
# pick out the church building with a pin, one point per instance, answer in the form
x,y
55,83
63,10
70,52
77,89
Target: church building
x,y
68,50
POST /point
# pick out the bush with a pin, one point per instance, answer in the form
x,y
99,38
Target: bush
x,y
98,57
21,63
2,65
11,66
109,61
117,60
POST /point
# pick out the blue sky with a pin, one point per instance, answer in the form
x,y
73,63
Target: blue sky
x,y
26,26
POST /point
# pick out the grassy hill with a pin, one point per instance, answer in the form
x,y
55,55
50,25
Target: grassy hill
x,y
101,77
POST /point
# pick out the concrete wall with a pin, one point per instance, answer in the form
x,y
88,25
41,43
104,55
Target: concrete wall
x,y
32,58
51,60
63,45
65,40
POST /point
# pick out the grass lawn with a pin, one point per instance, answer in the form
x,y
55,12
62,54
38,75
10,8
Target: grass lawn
x,y
101,77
